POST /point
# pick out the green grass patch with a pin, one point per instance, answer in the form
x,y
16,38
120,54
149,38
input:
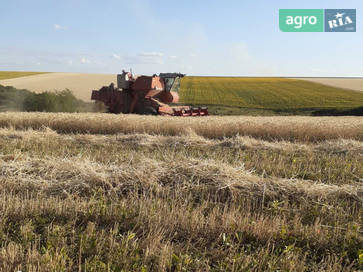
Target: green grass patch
x,y
9,74
234,95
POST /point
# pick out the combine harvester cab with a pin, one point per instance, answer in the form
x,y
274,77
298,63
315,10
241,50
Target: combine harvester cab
x,y
149,95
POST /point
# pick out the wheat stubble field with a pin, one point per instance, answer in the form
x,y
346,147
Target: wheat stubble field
x,y
98,192
346,83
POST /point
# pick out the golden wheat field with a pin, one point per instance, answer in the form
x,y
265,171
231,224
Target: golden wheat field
x,y
100,192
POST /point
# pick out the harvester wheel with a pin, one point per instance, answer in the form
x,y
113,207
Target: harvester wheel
x,y
149,111
110,110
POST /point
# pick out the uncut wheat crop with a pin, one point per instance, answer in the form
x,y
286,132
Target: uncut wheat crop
x,y
266,93
100,192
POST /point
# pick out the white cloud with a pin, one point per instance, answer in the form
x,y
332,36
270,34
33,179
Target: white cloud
x,y
59,27
115,56
143,60
84,60
70,62
193,55
151,54
240,51
186,67
172,57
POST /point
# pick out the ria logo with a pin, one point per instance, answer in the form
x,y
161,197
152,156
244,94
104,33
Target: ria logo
x,y
317,20
340,20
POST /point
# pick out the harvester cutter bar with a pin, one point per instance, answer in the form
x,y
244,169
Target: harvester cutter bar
x,y
201,111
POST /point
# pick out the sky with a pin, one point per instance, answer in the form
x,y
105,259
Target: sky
x,y
199,37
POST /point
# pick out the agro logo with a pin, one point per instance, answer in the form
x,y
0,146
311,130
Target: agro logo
x,y
340,20
301,20
317,20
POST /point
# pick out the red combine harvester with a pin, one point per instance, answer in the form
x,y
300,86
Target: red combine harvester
x,y
148,95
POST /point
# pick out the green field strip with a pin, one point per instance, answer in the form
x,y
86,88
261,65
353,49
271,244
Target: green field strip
x,y
9,75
